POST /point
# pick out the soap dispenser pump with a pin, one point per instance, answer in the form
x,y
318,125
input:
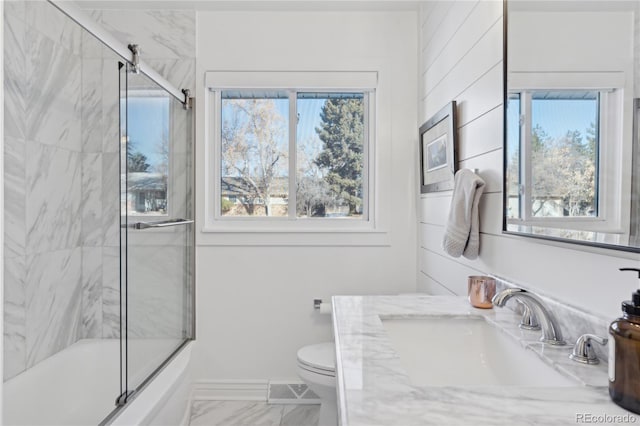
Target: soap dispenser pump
x,y
624,354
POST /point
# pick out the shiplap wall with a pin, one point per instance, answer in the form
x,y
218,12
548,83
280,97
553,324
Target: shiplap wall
x,y
461,52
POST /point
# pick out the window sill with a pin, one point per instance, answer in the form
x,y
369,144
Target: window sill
x,y
293,237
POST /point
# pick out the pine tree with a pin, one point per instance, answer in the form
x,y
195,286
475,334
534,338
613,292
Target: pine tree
x,y
342,134
137,162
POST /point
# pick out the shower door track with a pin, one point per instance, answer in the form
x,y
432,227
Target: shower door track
x,y
121,49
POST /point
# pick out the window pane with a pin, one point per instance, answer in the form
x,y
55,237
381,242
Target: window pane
x,y
513,156
147,152
254,152
330,155
564,147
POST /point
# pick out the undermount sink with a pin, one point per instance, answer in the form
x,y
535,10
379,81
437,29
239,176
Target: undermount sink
x,y
466,352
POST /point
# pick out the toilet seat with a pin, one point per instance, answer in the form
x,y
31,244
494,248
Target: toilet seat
x,y
318,358
317,368
327,373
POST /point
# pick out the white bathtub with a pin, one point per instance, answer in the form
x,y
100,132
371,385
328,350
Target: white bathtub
x,y
79,386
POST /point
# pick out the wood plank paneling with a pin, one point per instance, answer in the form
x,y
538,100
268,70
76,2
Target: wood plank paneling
x,y
447,31
484,95
489,167
464,74
431,24
434,211
430,286
447,271
481,135
431,233
471,32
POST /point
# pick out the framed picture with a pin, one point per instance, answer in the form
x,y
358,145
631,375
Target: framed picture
x,y
438,151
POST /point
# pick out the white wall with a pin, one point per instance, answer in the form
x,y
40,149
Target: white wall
x,y
598,41
461,59
254,303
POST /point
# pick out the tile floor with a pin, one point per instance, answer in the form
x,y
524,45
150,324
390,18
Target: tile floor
x,y
252,413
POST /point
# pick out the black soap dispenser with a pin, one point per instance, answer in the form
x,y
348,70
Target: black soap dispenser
x,y
624,354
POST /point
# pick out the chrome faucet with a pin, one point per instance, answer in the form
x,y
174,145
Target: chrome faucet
x,y
583,350
550,329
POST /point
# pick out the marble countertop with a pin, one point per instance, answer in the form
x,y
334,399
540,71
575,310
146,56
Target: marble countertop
x,y
374,389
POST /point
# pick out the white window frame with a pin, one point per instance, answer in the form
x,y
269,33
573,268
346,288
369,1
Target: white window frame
x,y
293,82
609,218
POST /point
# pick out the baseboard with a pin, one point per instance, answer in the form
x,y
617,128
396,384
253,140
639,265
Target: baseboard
x,y
231,390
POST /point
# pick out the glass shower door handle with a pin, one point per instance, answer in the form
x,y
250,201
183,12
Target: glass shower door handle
x,y
161,224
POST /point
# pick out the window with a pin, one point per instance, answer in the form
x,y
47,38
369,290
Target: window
x,y
291,158
555,152
292,154
330,142
254,153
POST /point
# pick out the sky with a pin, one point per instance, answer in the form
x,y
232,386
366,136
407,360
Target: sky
x,y
555,117
309,116
148,119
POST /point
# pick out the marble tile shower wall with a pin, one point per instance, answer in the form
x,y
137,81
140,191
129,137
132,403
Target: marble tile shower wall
x,y
62,178
167,40
100,188
43,144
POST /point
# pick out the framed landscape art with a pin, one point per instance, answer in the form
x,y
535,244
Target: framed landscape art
x,y
438,150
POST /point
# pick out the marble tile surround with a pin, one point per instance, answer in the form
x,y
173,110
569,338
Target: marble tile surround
x,y
61,121
43,145
15,346
53,301
52,210
167,39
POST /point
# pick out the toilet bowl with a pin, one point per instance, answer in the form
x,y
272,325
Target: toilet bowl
x,y
316,367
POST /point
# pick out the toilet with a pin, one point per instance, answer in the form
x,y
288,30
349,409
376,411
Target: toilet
x,y
317,368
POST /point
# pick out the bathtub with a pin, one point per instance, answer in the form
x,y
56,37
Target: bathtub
x,y
79,386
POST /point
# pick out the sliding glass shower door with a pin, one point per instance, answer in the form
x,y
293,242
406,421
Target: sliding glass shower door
x,y
156,170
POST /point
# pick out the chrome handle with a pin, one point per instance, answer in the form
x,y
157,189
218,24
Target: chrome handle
x,y
583,351
529,320
161,224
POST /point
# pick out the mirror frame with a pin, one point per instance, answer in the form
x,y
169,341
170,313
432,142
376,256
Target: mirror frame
x,y
505,92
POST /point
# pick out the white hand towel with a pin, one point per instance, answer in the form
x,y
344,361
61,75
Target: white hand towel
x,y
462,236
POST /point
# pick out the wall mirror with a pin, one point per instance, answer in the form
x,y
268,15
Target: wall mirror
x,y
571,144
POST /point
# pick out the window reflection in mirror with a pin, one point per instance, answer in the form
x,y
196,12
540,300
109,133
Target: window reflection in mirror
x,y
571,74
512,167
557,176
